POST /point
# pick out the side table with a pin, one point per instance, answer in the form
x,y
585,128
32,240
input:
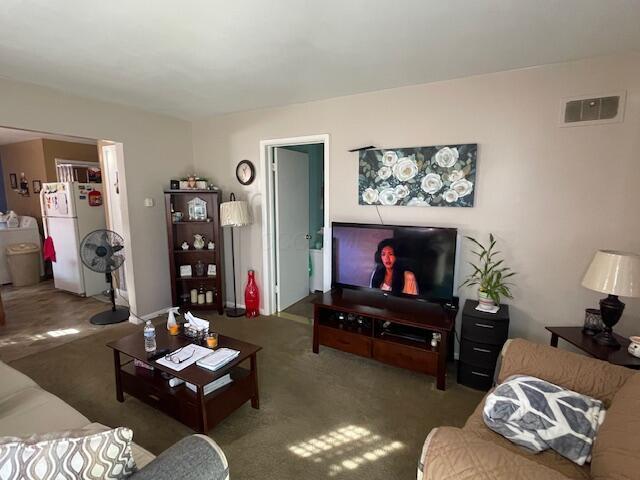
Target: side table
x,y
616,356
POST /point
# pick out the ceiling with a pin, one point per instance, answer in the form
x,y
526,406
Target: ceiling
x,y
10,135
196,58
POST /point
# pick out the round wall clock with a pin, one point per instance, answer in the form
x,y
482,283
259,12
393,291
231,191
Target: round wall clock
x,y
245,172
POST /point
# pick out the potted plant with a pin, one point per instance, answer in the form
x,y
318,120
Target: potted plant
x,y
490,274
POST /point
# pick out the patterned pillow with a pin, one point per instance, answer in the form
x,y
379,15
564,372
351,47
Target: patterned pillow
x,y
68,455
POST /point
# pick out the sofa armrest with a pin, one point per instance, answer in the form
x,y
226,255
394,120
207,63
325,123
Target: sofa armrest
x,y
453,454
196,457
579,373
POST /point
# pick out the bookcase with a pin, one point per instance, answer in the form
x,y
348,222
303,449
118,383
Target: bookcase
x,y
184,230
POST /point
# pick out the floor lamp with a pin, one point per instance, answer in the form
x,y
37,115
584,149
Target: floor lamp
x,y
234,213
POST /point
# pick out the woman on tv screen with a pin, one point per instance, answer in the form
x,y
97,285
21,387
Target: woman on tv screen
x,y
389,274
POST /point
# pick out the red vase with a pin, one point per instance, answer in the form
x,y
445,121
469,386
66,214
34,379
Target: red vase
x,y
252,296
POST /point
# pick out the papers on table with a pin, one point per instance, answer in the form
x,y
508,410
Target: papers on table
x,y
218,359
183,357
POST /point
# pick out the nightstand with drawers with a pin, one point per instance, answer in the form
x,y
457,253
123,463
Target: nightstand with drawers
x,y
481,340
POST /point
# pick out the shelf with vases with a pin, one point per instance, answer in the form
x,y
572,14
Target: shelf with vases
x,y
195,250
191,222
195,277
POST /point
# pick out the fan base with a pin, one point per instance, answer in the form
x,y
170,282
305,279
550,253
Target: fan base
x,y
234,312
109,317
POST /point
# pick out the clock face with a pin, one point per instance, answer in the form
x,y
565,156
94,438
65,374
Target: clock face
x,y
245,172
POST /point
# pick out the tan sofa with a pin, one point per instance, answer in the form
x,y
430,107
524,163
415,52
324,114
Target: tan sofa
x,y
25,408
475,452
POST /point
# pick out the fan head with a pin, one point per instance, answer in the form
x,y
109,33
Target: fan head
x,y
102,251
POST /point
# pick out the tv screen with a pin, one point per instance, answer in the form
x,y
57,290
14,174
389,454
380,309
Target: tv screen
x,y
417,262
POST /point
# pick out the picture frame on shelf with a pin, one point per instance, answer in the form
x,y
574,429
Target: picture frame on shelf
x,y
37,186
211,270
186,271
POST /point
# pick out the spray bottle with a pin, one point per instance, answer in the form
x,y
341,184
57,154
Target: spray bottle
x,y
171,318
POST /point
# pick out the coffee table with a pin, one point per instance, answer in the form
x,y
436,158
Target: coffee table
x,y
195,409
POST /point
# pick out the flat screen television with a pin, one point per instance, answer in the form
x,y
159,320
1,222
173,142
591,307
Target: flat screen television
x,y
412,262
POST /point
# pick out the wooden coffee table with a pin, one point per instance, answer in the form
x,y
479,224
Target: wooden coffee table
x,y
195,409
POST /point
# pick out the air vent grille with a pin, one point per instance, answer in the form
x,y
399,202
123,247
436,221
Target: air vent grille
x,y
593,110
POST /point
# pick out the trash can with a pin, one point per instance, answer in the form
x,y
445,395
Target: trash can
x,y
24,263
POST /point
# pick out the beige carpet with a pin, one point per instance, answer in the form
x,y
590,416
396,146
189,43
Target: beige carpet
x,y
331,415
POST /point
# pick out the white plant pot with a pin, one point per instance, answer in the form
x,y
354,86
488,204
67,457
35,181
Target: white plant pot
x,y
485,301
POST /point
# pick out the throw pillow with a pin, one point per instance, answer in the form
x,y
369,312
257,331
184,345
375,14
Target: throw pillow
x,y
70,455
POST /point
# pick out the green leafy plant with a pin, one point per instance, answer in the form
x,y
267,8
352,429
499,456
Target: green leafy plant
x,y
489,273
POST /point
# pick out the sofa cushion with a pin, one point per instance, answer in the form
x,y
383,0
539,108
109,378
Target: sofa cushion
x,y
616,453
475,426
12,381
33,410
71,454
453,454
581,374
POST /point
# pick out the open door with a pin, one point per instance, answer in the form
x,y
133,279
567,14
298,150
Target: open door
x,y
291,181
109,153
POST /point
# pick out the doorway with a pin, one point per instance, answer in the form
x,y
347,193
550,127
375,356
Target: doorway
x,y
296,229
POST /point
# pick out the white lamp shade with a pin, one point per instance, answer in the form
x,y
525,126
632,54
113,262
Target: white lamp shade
x,y
234,214
615,273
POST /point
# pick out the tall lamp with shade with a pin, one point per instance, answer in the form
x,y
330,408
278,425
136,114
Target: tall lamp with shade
x,y
234,213
616,274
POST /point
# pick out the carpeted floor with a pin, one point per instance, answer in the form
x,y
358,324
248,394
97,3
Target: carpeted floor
x,y
331,415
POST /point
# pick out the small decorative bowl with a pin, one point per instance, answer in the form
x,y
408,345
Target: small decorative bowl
x,y
634,346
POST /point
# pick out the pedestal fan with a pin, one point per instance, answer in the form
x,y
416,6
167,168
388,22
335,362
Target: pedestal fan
x,y
102,252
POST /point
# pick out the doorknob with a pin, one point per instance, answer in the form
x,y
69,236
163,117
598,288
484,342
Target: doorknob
x,y
307,236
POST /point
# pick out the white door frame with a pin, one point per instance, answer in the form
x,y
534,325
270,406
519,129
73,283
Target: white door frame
x,y
268,208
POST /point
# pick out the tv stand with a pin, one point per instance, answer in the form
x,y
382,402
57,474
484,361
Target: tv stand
x,y
353,322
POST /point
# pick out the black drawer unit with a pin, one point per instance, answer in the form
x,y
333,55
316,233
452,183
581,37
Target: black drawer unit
x,y
481,340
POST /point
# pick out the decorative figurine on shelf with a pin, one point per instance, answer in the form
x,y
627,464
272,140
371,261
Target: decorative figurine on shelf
x,y
211,246
191,181
185,246
197,209
198,241
252,296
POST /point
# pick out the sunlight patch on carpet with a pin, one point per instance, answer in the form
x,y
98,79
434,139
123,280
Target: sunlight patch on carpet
x,y
345,448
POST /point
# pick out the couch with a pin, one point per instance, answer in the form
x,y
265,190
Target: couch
x,y
474,451
25,409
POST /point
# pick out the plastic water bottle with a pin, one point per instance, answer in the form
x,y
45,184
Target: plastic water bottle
x,y
149,337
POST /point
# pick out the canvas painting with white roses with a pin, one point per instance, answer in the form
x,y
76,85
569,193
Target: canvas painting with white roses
x,y
440,176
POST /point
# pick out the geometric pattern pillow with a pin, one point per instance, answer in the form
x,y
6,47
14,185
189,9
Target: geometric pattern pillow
x,y
70,455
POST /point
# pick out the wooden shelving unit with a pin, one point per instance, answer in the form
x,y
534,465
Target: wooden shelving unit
x,y
183,231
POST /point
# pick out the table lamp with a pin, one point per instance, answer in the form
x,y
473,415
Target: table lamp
x,y
234,213
616,274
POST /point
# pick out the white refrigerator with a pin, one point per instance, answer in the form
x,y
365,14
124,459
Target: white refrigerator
x,y
69,213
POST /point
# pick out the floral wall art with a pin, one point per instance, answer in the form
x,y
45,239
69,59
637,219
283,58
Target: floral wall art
x,y
440,176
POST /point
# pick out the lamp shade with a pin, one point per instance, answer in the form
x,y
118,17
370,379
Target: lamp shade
x,y
615,273
234,214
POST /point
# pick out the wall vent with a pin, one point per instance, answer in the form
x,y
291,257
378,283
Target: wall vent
x,y
592,110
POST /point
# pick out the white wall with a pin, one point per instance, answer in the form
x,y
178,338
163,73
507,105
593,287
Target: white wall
x,y
156,148
551,195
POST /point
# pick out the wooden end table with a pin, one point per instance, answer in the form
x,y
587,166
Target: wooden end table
x,y
195,409
586,343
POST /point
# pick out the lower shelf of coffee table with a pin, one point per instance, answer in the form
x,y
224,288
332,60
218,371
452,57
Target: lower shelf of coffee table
x,y
182,403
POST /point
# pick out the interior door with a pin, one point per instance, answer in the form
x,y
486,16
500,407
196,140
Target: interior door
x,y
291,181
113,204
